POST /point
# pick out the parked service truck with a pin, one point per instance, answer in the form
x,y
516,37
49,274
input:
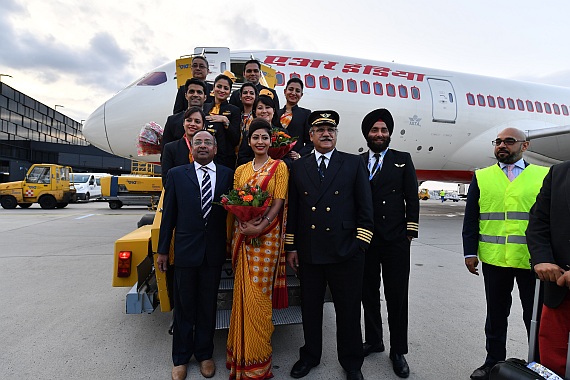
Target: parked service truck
x,y
46,184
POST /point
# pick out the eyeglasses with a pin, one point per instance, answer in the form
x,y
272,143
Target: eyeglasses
x,y
320,131
197,66
200,142
507,141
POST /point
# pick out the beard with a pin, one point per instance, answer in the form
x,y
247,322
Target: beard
x,y
506,157
378,145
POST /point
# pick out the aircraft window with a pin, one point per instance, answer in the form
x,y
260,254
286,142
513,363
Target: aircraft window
x,y
529,106
556,109
416,93
564,110
378,88
491,101
501,102
390,89
351,85
450,97
511,103
153,79
325,83
280,78
547,108
364,87
520,105
294,75
338,84
538,106
470,99
481,100
310,81
403,90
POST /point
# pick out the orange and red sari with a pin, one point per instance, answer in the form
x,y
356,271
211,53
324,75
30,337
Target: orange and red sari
x,y
259,281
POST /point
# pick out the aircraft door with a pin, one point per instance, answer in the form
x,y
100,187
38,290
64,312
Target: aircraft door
x,y
218,58
444,105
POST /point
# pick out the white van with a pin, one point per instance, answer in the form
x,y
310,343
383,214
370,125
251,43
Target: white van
x,y
87,185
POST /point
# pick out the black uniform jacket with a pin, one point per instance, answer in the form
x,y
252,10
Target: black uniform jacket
x,y
227,138
175,153
299,126
194,239
547,234
395,197
332,221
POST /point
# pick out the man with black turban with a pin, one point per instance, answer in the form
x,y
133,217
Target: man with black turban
x,y
396,215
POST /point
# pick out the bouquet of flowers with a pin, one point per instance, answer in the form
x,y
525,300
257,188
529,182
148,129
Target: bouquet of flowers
x,y
281,144
149,139
247,203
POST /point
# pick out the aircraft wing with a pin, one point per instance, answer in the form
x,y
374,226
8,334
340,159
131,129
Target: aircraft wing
x,y
551,142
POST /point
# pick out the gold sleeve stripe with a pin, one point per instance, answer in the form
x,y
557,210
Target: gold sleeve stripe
x,y
364,239
363,231
289,238
413,223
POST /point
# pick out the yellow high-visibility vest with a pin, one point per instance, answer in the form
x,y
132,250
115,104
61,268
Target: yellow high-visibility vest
x,y
504,208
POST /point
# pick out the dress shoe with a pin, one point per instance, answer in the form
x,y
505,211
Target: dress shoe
x,y
300,369
354,375
482,373
368,348
179,372
400,365
207,368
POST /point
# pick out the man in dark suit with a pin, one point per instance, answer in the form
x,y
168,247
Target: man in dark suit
x,y
199,252
174,127
295,119
496,217
329,227
547,238
252,73
200,70
396,216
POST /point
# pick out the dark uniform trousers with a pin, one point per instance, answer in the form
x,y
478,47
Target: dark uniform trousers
x,y
345,283
196,305
391,259
499,283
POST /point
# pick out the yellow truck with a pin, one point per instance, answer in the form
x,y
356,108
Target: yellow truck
x,y
131,190
46,184
424,194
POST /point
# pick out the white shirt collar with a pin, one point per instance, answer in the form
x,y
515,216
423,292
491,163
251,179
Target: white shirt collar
x,y
327,155
211,166
519,164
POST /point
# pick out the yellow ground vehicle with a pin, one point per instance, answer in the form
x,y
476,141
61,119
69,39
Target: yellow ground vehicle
x,y
424,194
131,190
46,184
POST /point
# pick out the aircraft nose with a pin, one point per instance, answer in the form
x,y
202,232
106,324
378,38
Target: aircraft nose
x,y
95,130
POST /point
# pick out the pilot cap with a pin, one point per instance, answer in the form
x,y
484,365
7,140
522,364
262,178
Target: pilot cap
x,y
324,117
380,114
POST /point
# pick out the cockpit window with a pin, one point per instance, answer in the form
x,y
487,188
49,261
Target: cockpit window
x,y
153,79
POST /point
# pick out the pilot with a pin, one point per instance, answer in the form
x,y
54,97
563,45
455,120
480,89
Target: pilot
x,y
329,227
252,73
196,96
496,217
394,187
200,70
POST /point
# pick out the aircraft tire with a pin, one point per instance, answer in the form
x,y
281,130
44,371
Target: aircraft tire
x,y
8,202
48,202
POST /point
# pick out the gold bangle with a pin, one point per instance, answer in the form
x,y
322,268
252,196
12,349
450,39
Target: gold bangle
x,y
265,216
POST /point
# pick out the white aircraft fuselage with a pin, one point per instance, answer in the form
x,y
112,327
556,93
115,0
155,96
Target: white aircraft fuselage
x,y
446,120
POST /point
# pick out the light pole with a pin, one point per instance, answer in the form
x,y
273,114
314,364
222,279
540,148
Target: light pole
x,y
4,75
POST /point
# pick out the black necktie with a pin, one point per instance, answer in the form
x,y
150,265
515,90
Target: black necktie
x,y
206,193
322,168
373,168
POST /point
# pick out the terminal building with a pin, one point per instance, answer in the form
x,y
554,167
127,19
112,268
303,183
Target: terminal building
x,y
33,133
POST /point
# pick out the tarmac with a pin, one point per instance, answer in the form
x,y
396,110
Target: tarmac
x,y
62,319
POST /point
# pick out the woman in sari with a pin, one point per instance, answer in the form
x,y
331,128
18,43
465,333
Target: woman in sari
x,y
259,270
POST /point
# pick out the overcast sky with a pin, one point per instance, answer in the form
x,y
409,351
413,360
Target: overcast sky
x,y
78,54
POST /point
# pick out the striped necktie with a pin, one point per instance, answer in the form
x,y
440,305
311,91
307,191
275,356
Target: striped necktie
x,y
322,168
206,194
